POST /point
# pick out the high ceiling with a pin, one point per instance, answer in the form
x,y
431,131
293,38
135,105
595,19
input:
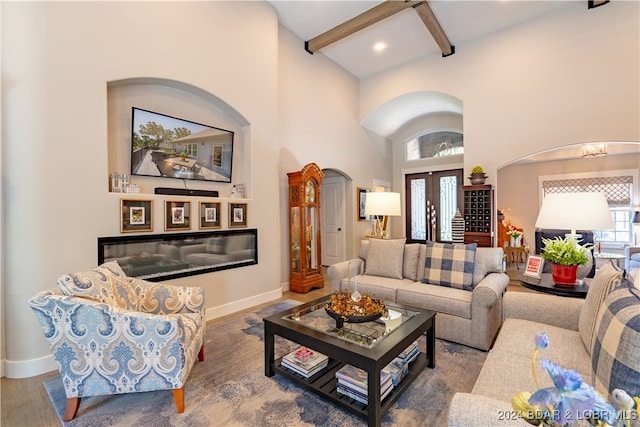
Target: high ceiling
x,y
407,38
405,35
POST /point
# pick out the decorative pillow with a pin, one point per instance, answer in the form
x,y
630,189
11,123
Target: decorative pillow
x,y
410,264
422,258
385,258
450,265
607,276
106,283
615,360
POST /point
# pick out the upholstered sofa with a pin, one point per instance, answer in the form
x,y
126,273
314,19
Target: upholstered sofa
x,y
113,334
597,337
464,284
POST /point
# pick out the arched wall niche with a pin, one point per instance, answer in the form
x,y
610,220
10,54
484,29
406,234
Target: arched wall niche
x,y
517,190
184,101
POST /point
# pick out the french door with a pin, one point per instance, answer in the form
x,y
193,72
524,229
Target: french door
x,y
431,202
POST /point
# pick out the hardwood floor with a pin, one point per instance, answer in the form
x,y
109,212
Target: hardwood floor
x,y
24,402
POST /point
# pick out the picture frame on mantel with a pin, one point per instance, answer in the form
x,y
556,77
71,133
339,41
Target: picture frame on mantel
x,y
237,215
210,214
361,195
177,215
136,215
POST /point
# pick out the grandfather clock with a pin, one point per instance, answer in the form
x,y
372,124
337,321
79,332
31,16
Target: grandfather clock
x,y
305,266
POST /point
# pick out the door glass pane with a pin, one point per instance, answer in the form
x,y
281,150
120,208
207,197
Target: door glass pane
x,y
418,210
448,205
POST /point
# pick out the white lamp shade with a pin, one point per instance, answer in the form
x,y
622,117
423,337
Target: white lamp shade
x,y
575,211
382,204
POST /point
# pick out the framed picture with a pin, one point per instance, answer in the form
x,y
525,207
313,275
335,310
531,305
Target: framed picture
x,y
534,265
209,215
361,194
177,215
237,214
135,215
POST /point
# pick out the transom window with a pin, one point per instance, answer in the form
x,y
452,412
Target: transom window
x,y
434,144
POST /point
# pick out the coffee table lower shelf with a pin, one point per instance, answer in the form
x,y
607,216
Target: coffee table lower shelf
x,y
324,383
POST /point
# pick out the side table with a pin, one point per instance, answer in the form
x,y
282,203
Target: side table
x,y
607,256
515,254
546,284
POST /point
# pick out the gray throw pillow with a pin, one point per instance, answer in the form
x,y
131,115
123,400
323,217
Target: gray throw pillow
x,y
385,258
410,264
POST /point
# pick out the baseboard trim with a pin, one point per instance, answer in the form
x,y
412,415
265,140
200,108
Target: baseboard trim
x,y
235,306
29,368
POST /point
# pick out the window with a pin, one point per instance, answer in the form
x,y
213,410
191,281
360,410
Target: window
x,y
191,150
434,144
619,191
216,158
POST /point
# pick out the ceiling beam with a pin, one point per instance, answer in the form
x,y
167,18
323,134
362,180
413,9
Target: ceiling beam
x,y
364,20
595,3
431,21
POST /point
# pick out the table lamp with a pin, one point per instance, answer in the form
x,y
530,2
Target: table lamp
x,y
382,205
575,211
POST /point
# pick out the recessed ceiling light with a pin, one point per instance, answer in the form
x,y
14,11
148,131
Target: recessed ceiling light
x,y
379,47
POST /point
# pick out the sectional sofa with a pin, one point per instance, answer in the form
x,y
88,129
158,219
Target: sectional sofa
x,y
598,337
464,284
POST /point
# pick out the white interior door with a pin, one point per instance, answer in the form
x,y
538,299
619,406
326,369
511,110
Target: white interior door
x,y
333,215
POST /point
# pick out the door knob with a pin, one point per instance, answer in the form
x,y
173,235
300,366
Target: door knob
x,y
339,229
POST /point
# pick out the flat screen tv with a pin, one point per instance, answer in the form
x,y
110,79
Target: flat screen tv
x,y
169,147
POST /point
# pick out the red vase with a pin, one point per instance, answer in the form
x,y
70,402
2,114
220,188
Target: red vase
x,y
564,274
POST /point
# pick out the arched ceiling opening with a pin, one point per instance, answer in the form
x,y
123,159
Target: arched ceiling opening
x,y
395,113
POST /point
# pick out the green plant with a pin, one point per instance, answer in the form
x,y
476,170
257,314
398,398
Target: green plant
x,y
477,169
565,251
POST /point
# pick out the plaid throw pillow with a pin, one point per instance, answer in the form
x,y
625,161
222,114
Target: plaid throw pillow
x,y
615,359
450,265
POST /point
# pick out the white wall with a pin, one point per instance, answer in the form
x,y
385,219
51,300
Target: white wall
x,y
57,60
567,77
319,123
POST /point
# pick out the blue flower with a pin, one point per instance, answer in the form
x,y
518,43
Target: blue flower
x,y
571,399
542,341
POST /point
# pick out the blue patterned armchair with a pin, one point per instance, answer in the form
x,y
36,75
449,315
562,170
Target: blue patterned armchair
x,y
113,334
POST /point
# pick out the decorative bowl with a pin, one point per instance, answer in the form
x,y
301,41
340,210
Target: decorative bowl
x,y
343,309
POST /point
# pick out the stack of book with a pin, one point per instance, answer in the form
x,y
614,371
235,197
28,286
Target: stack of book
x,y
352,382
410,353
399,367
305,361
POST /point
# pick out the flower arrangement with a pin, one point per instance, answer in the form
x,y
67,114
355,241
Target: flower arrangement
x,y
570,400
514,231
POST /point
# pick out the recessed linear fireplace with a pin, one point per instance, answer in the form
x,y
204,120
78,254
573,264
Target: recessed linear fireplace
x,y
158,257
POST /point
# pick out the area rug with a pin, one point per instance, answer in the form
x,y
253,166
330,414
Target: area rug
x,y
229,388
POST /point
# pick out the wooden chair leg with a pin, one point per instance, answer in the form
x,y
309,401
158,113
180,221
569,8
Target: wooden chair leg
x,y
178,396
73,403
201,353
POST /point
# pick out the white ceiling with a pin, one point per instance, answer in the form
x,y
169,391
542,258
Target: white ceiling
x,y
408,39
404,33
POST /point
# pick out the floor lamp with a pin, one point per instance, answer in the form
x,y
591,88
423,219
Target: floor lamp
x,y
382,205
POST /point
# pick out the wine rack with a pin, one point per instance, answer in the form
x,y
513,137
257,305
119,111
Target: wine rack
x,y
478,214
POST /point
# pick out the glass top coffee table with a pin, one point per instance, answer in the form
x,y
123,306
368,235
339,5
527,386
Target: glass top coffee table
x,y
369,346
